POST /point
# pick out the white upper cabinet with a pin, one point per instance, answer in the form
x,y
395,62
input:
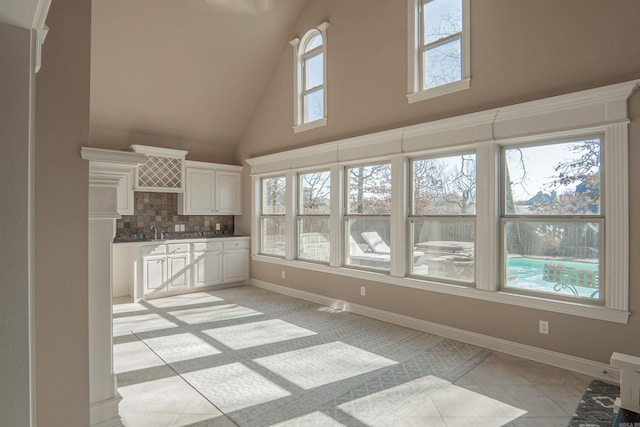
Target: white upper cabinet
x,y
125,194
211,189
199,197
228,192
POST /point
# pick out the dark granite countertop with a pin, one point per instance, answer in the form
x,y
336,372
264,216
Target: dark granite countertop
x,y
174,236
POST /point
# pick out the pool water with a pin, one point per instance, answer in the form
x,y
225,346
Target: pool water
x,y
526,273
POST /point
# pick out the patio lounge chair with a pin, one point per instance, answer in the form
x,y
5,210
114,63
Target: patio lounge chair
x,y
379,246
367,259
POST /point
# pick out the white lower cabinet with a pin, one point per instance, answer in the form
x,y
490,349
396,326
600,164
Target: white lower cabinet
x,y
178,271
207,263
236,261
155,274
173,268
165,268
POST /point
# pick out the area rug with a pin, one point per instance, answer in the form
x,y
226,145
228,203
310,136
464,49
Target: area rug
x,y
265,359
596,406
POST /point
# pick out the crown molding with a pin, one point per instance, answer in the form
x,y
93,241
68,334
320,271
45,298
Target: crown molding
x,y
587,109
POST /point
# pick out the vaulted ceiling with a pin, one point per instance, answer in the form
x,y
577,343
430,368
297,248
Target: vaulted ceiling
x,y
189,70
23,13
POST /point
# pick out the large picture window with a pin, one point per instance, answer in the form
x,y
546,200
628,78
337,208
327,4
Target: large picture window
x,y
368,213
443,208
314,208
526,205
552,225
272,217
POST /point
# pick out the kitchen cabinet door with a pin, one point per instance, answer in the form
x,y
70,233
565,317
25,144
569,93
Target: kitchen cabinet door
x,y
211,189
154,274
236,265
125,194
178,270
207,268
228,193
198,198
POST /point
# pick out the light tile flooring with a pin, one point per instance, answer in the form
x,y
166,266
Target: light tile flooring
x,y
501,391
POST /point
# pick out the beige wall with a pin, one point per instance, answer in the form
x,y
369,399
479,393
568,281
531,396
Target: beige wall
x,y
182,74
61,218
15,87
520,50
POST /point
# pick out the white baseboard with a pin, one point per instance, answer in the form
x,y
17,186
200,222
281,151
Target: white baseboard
x,y
105,413
560,360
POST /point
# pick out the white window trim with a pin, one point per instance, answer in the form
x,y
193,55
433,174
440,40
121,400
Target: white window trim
x,y
395,256
600,218
415,93
413,217
259,193
299,215
601,110
298,91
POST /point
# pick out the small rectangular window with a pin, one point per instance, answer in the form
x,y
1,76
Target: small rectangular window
x,y
441,32
442,222
552,225
272,217
314,208
439,48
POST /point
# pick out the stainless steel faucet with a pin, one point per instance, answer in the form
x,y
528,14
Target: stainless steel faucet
x,y
155,233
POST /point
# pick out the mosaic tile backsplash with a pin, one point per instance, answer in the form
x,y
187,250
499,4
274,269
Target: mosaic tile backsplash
x,y
160,210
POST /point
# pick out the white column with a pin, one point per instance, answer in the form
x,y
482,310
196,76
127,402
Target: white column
x,y
106,170
103,389
399,203
336,220
487,223
616,206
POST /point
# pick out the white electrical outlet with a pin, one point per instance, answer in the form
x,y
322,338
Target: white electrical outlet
x,y
544,327
217,227
363,291
176,227
283,275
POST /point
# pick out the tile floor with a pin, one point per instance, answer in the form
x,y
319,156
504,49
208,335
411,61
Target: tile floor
x,y
503,390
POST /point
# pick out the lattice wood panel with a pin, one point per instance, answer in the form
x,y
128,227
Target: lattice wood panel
x,y
160,172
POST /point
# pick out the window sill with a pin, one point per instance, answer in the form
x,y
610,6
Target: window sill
x,y
310,125
422,95
527,301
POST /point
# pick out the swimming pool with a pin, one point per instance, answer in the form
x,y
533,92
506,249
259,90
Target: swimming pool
x,y
526,273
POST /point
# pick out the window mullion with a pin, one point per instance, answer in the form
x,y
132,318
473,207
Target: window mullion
x,y
443,40
399,199
290,216
487,235
337,211
313,89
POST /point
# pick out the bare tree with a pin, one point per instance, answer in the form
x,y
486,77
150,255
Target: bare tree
x,y
443,60
460,185
443,188
316,192
273,195
370,189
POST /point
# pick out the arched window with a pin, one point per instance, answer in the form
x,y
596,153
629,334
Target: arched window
x,y
310,81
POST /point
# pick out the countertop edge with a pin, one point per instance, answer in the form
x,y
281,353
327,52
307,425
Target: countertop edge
x,y
181,240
